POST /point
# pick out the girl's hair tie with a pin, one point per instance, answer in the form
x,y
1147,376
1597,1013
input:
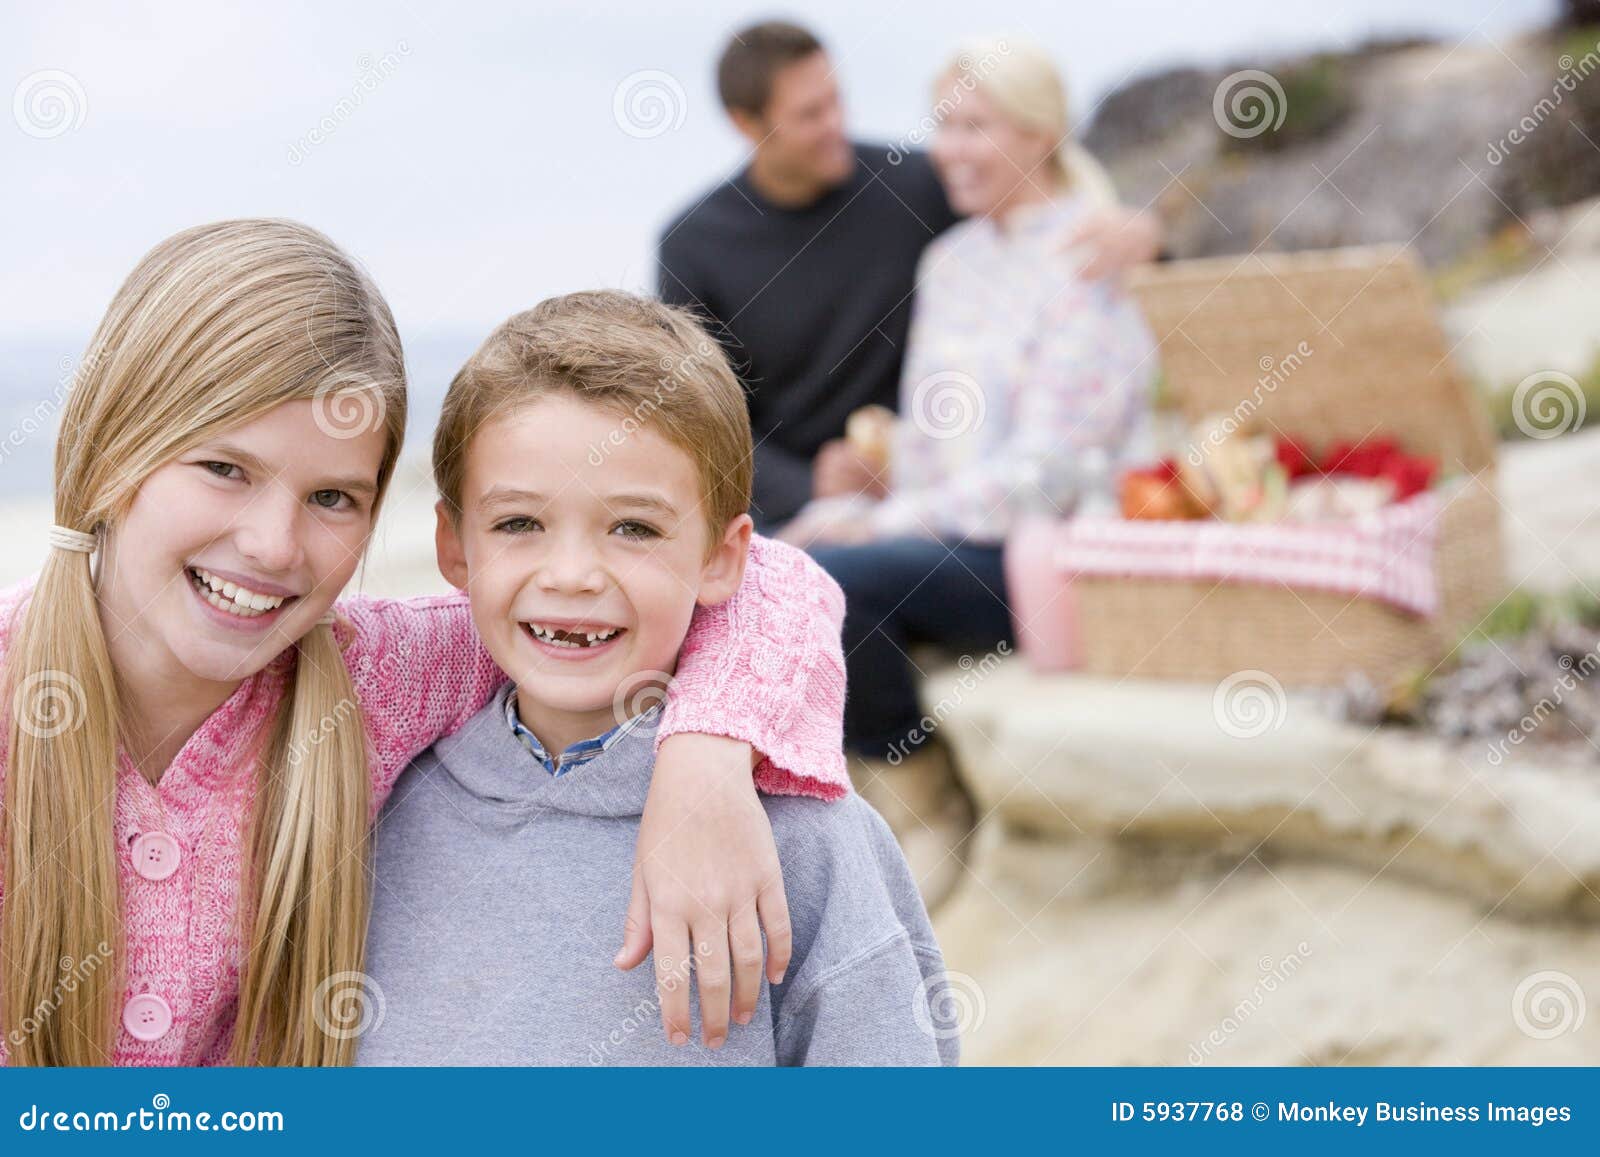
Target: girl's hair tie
x,y
327,619
64,538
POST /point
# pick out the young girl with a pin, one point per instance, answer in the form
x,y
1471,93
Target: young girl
x,y
197,744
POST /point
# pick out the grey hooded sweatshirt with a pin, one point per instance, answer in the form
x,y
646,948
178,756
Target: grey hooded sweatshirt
x,y
499,899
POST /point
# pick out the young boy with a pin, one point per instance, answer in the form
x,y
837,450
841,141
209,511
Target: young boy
x,y
594,463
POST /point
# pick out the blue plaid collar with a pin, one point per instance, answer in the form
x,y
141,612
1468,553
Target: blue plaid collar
x,y
579,753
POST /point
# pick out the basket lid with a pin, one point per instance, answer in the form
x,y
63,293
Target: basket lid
x,y
1322,346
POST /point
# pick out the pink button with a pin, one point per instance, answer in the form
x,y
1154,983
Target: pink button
x,y
147,1017
155,855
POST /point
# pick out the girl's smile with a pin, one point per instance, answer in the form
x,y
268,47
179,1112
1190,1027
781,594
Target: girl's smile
x,y
242,605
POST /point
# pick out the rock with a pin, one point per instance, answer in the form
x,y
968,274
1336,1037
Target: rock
x,y
1091,950
1070,755
1382,145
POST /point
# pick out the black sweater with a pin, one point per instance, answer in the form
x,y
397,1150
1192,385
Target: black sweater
x,y
813,304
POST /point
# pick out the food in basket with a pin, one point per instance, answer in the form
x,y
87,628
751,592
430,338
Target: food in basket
x,y
1159,493
1382,458
1237,477
1257,478
1331,499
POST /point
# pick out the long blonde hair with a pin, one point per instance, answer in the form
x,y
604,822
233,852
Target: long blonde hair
x,y
1024,83
215,327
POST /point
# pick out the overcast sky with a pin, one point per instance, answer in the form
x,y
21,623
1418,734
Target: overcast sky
x,y
480,160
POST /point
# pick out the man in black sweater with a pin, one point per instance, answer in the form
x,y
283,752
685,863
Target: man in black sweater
x,y
804,265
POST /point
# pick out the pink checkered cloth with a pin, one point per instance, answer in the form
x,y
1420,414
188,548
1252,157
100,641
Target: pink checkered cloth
x,y
1386,555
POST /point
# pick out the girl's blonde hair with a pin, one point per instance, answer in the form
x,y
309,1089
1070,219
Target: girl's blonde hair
x,y
1020,78
215,327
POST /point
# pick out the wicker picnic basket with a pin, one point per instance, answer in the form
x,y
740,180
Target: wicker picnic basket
x,y
1378,365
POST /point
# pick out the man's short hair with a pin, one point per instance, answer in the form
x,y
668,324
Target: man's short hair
x,y
754,56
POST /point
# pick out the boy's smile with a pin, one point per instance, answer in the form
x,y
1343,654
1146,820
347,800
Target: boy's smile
x,y
575,639
583,570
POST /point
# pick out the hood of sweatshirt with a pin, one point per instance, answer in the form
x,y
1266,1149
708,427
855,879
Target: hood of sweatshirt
x,y
490,763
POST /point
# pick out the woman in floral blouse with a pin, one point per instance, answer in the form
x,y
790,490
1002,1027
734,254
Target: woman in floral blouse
x,y
1026,384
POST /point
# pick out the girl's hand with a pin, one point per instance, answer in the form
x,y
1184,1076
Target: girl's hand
x,y
705,872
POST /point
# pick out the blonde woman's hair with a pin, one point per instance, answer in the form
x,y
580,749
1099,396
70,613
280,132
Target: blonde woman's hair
x,y
1024,83
215,327
651,364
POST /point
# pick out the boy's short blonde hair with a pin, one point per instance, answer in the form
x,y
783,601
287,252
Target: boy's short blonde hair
x,y
651,363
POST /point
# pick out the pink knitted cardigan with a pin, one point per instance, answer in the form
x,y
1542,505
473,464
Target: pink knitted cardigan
x,y
765,667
